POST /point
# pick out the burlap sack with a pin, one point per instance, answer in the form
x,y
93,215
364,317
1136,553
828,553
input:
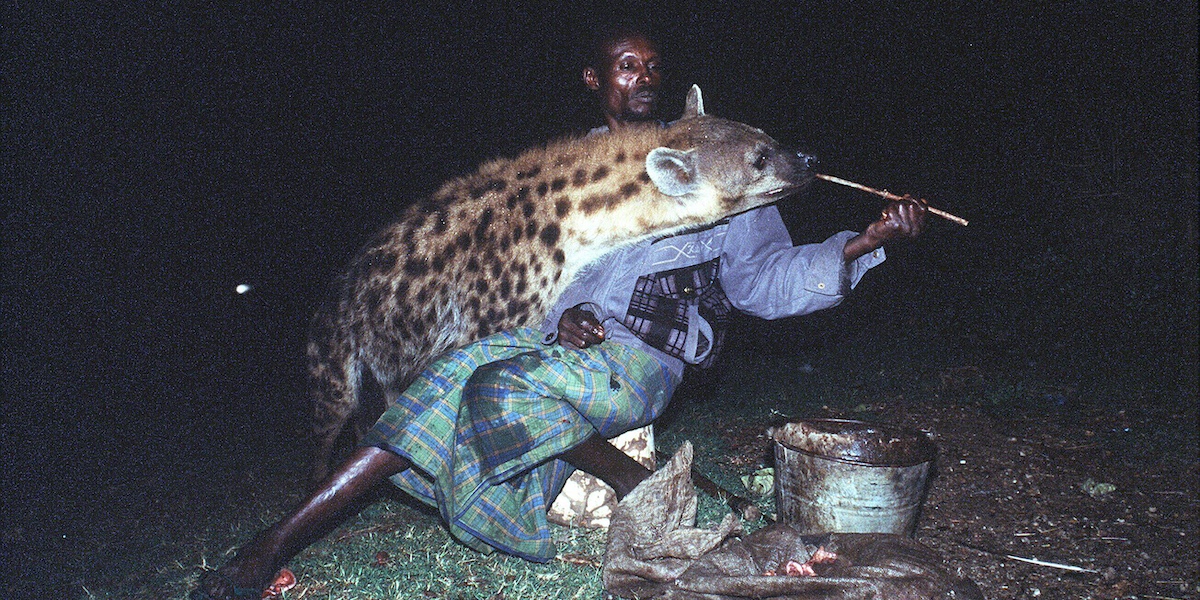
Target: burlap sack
x,y
655,550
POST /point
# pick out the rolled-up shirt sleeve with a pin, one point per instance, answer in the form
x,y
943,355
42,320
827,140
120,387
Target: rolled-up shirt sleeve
x,y
766,276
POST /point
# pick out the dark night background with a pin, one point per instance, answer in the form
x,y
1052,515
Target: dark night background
x,y
156,156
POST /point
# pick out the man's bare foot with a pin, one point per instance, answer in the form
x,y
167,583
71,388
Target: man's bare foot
x,y
255,565
246,576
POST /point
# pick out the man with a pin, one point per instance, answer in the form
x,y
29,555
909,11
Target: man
x,y
626,74
615,364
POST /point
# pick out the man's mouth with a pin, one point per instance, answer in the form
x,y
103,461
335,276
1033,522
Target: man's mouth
x,y
645,95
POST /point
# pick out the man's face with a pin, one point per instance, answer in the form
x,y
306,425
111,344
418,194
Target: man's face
x,y
629,84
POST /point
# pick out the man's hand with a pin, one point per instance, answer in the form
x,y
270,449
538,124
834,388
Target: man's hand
x,y
579,329
903,219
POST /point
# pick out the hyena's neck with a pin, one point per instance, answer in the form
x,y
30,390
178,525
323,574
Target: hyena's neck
x,y
613,203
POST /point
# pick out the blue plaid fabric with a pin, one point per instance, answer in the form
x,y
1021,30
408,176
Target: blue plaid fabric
x,y
483,424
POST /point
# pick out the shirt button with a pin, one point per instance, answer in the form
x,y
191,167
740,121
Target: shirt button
x,y
820,286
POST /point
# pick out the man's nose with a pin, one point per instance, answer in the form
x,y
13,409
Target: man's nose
x,y
645,73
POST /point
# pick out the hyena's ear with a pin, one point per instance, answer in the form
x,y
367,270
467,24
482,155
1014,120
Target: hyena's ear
x,y
672,171
695,103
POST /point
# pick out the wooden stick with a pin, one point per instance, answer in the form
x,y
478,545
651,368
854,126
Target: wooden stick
x,y
1046,563
1032,561
890,196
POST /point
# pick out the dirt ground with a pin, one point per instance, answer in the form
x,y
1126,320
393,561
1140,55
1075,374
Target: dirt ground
x,y
1034,488
1106,490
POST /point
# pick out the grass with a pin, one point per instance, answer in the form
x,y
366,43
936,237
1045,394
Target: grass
x,y
423,561
394,550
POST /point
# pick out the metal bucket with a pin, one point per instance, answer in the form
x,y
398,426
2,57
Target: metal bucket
x,y
842,476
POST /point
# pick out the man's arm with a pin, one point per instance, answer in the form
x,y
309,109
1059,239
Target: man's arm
x,y
900,220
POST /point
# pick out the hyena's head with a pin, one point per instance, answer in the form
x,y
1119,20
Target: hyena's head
x,y
723,167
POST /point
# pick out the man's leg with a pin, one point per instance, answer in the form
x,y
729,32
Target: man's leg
x,y
257,562
596,456
509,401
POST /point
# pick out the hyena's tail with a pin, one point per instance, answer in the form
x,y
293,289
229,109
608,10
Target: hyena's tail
x,y
333,378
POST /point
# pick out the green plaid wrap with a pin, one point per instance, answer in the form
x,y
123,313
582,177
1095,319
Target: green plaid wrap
x,y
483,424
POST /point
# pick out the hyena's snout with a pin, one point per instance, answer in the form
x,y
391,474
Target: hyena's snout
x,y
793,172
807,162
804,166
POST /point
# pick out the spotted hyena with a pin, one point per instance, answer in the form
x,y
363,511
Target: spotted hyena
x,y
493,250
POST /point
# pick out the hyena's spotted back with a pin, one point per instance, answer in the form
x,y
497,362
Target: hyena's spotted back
x,y
495,249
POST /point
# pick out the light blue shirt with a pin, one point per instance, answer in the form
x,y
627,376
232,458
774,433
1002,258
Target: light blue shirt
x,y
762,273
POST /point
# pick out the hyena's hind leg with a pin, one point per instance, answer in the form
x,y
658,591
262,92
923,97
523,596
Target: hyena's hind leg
x,y
333,382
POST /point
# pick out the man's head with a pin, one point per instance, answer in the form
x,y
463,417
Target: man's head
x,y
626,73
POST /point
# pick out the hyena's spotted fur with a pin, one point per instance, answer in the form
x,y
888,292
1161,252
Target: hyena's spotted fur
x,y
494,250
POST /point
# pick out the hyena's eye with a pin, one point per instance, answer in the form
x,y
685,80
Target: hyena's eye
x,y
760,162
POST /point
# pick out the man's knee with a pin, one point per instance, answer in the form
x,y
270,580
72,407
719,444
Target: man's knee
x,y
509,375
495,391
